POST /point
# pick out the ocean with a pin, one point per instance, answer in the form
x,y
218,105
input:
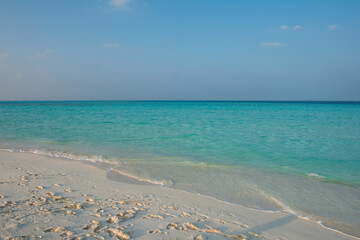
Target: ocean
x,y
297,157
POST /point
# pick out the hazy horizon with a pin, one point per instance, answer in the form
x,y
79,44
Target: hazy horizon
x,y
181,100
180,50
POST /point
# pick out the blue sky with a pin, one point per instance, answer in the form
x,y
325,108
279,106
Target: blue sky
x,y
179,50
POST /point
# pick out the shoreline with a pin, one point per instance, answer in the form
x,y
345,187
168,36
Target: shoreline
x,y
223,220
130,178
120,175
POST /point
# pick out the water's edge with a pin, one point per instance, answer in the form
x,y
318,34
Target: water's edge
x,y
128,178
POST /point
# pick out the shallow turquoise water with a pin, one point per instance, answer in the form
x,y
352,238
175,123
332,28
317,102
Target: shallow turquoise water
x,y
275,156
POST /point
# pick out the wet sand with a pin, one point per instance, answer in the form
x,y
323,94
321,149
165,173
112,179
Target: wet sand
x,y
51,198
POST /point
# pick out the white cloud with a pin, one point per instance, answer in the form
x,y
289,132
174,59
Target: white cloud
x,y
271,44
284,27
41,56
332,27
111,45
297,27
121,4
3,56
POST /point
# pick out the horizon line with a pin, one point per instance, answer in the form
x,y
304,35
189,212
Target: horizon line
x,y
179,100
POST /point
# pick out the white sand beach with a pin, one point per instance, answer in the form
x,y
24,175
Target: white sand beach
x,y
52,198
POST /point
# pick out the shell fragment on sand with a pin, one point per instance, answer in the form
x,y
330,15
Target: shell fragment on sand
x,y
114,233
113,219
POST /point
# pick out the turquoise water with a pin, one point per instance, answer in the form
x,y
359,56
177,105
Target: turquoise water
x,y
297,157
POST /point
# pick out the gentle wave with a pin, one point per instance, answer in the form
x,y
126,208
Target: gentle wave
x,y
92,159
163,183
95,158
315,175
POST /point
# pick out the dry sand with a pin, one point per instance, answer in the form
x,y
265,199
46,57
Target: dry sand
x,y
51,198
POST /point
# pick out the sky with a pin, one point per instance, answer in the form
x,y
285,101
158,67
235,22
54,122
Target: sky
x,y
180,50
